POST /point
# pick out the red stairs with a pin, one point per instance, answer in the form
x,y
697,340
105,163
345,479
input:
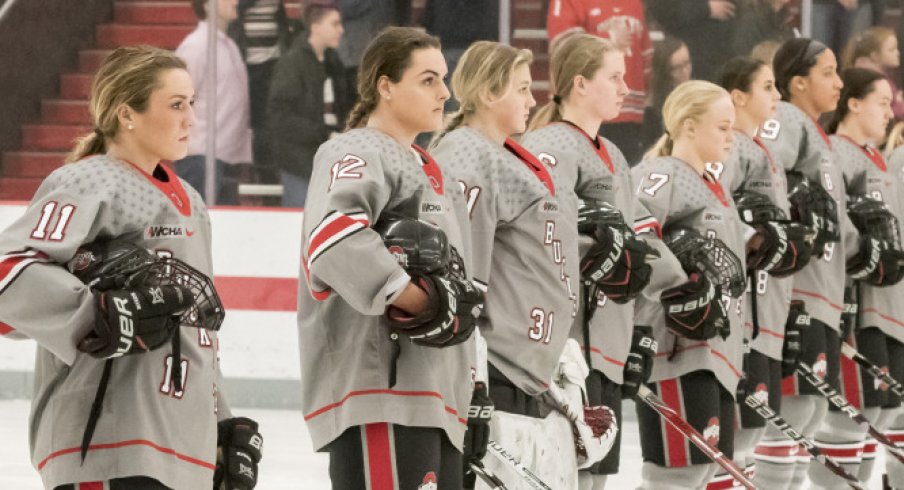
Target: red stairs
x,y
45,143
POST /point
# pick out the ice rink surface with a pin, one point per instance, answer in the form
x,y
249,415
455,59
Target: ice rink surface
x,y
289,461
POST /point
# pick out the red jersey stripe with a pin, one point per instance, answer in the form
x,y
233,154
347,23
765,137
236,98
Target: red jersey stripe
x,y
676,446
5,329
122,444
94,485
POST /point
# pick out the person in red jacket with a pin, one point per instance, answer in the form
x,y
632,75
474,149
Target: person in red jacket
x,y
623,23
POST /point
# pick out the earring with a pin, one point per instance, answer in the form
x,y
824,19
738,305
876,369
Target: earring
x,y
131,127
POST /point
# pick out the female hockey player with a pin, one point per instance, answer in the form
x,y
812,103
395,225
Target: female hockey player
x,y
698,364
858,124
523,227
587,73
760,191
144,429
386,358
805,74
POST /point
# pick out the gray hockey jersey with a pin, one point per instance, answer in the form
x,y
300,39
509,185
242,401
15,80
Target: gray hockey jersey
x,y
798,143
750,167
865,172
148,426
524,243
597,170
678,197
348,278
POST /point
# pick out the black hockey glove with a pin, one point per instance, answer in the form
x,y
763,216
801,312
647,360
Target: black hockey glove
x,y
450,317
239,450
780,248
618,264
478,434
798,321
131,321
865,262
890,270
639,364
693,310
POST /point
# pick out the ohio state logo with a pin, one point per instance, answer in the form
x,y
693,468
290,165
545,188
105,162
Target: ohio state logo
x,y
761,393
83,258
399,254
429,482
820,367
711,432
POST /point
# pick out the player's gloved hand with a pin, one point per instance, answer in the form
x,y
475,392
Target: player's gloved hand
x,y
781,249
239,450
639,364
693,310
478,434
866,260
453,306
131,321
890,270
618,263
798,321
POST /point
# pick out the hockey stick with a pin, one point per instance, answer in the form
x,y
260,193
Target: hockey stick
x,y
842,404
647,396
506,457
487,476
851,353
769,415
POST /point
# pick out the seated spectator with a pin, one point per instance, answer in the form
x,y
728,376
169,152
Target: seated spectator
x,y
671,67
228,87
706,27
877,49
761,20
262,32
307,99
622,22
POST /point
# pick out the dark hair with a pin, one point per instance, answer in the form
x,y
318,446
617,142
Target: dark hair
x,y
389,54
738,73
199,7
662,84
314,12
795,59
858,84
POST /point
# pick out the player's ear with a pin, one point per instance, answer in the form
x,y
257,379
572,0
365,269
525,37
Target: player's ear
x,y
739,98
125,114
579,84
854,105
689,127
384,87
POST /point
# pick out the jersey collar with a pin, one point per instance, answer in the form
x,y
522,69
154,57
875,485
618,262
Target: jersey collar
x,y
531,162
872,153
171,187
597,144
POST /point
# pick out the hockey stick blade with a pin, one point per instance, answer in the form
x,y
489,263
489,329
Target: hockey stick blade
x,y
506,457
769,415
840,402
647,396
487,476
851,353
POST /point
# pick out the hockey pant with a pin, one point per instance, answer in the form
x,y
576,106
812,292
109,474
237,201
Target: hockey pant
x,y
130,483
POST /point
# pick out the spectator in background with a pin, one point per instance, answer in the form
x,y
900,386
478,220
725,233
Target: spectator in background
x,y
877,49
761,20
262,33
706,27
363,19
671,67
459,23
834,21
765,51
229,88
307,99
623,22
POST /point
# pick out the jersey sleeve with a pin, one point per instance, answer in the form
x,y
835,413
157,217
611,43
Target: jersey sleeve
x,y
342,253
654,193
39,298
563,16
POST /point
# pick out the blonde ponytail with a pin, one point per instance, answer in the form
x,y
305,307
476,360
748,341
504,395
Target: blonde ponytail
x,y
690,100
578,54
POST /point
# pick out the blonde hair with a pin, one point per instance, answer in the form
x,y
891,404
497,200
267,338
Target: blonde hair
x,y
389,55
865,44
484,69
690,100
895,139
579,54
127,76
